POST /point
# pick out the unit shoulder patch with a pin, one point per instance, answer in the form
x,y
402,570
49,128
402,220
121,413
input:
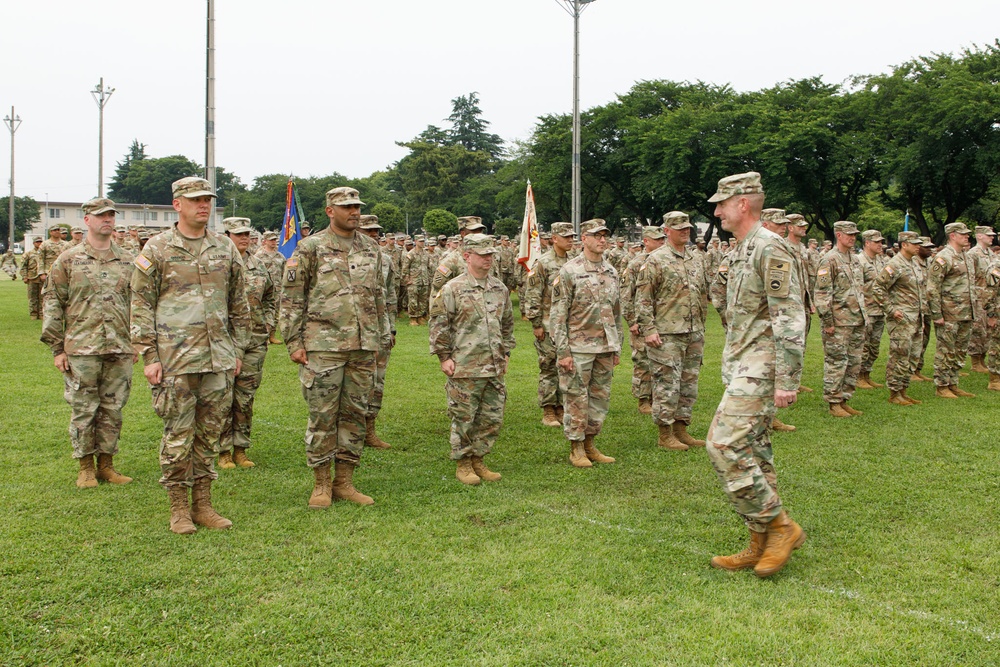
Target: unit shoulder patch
x,y
778,277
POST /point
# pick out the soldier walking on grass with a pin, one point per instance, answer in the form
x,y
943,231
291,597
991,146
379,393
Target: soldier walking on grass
x,y
32,279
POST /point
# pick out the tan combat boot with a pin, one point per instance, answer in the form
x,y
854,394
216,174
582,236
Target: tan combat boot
x,y
593,453
465,473
873,383
86,478
804,389
863,382
106,470
779,425
783,537
745,559
180,511
667,439
273,339
322,494
681,434
851,411
961,393
549,417
343,485
240,458
909,399
837,410
371,438
484,473
897,398
645,406
923,378
414,322
578,456
226,460
994,384
916,377
560,413
202,512
944,391
978,365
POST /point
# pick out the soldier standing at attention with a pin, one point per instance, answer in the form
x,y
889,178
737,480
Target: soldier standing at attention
x,y
775,220
262,297
30,277
840,302
983,257
536,303
797,226
51,248
416,275
191,324
761,367
873,259
451,263
588,336
671,307
472,334
334,321
370,227
954,306
642,379
274,261
86,325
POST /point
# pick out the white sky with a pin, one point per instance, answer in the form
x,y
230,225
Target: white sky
x,y
315,86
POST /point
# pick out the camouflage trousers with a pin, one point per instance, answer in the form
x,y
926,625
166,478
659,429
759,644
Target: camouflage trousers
x,y
403,298
548,375
952,344
193,407
586,393
378,389
676,365
979,340
239,420
993,350
926,341
739,447
842,362
642,377
97,388
35,300
873,341
475,407
418,300
905,340
337,387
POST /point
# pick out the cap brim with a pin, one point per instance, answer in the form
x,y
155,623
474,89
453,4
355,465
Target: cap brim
x,y
197,193
350,202
478,225
717,197
240,230
595,230
482,251
104,209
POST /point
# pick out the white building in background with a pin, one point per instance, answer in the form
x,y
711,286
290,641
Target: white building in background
x,y
155,217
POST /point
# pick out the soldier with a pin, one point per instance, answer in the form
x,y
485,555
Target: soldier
x,y
262,297
775,220
274,262
9,264
670,310
190,323
305,229
840,303
899,295
642,379
797,226
50,250
416,275
30,276
452,264
536,303
588,335
761,367
333,320
813,265
954,306
86,326
984,262
120,231
472,334
77,236
370,227
872,260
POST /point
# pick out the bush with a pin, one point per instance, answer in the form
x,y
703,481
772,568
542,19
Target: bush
x,y
438,221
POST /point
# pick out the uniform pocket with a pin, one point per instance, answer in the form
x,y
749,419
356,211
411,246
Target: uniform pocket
x,y
164,398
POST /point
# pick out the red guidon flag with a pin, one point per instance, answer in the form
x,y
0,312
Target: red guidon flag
x,y
529,248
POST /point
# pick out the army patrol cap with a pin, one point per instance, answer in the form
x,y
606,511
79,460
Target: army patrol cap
x,y
738,184
77,230
237,225
774,215
908,237
926,242
190,187
99,205
545,235
562,229
481,244
431,242
677,220
37,239
470,222
872,235
305,225
144,234
369,222
985,230
593,227
845,227
270,236
956,228
797,220
343,196
121,228
653,232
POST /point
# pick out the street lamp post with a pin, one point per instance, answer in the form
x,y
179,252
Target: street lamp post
x,y
13,122
101,96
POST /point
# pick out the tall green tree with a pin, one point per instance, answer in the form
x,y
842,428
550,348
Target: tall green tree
x,y
26,213
469,129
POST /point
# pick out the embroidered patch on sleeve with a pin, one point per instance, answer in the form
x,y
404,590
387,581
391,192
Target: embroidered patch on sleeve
x,y
143,263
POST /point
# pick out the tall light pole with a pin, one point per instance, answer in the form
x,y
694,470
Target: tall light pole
x,y
13,122
101,96
210,106
575,8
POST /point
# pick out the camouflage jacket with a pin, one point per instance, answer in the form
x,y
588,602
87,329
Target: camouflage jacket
x,y
262,297
586,309
391,284
275,264
765,338
9,262
840,299
189,306
48,253
872,267
472,323
627,286
951,285
671,292
900,286
29,266
984,262
86,302
334,300
451,265
536,301
416,268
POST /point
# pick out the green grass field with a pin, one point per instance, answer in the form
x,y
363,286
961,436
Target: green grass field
x,y
550,566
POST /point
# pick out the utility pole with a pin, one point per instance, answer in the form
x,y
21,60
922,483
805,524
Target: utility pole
x,y
210,107
101,96
13,122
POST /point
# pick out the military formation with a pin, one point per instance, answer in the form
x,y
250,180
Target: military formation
x,y
202,310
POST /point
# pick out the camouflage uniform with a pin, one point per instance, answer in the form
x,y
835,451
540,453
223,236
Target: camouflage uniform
x,y
9,264
30,276
876,321
536,305
951,295
718,288
900,287
416,275
642,378
48,253
190,314
274,262
87,319
840,304
983,260
391,285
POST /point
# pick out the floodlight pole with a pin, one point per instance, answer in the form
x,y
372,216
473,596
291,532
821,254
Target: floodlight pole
x,y
101,96
13,122
210,107
575,8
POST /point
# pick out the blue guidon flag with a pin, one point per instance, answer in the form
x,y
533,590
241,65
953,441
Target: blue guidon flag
x,y
291,233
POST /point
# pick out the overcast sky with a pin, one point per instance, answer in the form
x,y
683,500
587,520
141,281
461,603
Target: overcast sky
x,y
312,87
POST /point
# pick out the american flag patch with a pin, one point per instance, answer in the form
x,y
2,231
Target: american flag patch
x,y
143,263
444,270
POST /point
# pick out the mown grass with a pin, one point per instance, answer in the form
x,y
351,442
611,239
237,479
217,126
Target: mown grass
x,y
550,566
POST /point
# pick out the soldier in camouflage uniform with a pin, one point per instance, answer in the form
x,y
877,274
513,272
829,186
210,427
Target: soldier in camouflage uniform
x,y
86,325
190,323
642,379
452,264
671,304
840,302
9,264
274,262
262,297
30,277
369,225
536,304
926,252
797,226
472,334
588,336
775,220
954,306
991,308
418,265
761,367
898,294
51,248
334,321
983,256
873,259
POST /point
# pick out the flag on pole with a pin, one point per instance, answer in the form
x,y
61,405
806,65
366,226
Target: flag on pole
x,y
906,221
529,248
290,234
